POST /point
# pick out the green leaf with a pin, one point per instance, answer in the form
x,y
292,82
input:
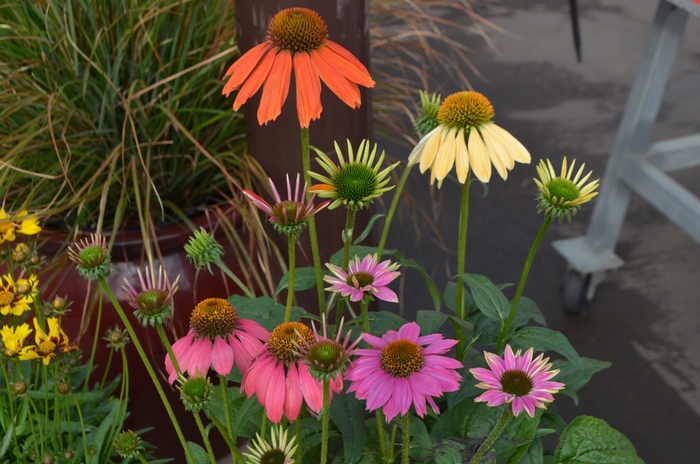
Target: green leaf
x,y
574,377
430,321
348,415
304,279
489,299
263,310
382,321
544,339
434,291
527,309
98,439
449,452
533,454
6,440
550,418
449,296
467,388
466,420
199,455
419,433
368,229
591,440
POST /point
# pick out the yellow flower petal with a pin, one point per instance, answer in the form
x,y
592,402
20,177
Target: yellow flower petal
x,y
432,146
517,150
461,157
478,157
446,155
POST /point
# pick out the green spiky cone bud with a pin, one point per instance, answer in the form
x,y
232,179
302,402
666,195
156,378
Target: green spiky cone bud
x,y
203,249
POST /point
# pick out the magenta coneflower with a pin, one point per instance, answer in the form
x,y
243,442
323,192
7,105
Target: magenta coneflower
x,y
153,305
326,357
364,277
403,368
517,379
278,378
217,338
288,217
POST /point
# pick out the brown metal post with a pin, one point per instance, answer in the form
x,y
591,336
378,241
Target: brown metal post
x,y
277,145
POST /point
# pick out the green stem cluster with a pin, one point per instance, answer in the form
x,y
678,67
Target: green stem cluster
x,y
521,285
461,259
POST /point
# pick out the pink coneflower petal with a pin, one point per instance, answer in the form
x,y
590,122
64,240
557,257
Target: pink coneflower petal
x,y
275,394
364,277
293,397
180,349
517,379
200,358
311,389
221,357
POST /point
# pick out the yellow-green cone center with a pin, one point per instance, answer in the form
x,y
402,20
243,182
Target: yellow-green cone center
x,y
6,297
401,358
465,109
284,337
273,456
213,317
196,389
151,301
126,442
290,208
355,182
360,279
297,30
516,383
325,354
563,190
92,255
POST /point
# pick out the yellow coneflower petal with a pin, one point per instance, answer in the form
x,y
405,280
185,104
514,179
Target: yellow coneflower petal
x,y
495,142
478,157
564,172
461,157
517,149
583,181
446,155
578,174
552,174
417,152
432,146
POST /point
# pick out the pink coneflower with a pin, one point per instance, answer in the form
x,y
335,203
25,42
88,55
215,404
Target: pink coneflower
x,y
278,378
364,277
326,357
288,217
403,368
518,380
217,338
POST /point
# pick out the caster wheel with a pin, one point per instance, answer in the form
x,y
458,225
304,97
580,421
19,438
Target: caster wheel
x,y
574,292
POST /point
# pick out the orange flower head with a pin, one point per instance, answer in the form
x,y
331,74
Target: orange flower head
x,y
296,40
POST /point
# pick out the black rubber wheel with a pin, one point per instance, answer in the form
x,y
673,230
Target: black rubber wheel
x,y
574,291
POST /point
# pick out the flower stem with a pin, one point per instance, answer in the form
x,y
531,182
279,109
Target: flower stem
x,y
149,367
234,277
291,242
109,364
306,163
324,424
506,417
227,409
207,443
461,258
364,304
382,435
392,209
521,285
347,236
406,439
235,452
300,450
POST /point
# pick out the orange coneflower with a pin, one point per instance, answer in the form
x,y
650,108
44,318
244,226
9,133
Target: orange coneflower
x,y
296,38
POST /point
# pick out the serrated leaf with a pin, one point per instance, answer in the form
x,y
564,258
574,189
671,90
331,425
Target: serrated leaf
x,y
368,229
263,310
304,279
432,288
348,415
574,377
591,440
488,298
430,321
199,455
544,339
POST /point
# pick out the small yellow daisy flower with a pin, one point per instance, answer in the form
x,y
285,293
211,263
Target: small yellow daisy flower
x,y
48,345
467,138
13,341
16,297
562,196
21,223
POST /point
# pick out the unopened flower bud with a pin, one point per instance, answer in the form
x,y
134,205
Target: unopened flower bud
x,y
128,444
203,249
48,459
58,303
63,388
34,259
91,257
68,454
20,388
194,392
24,287
18,256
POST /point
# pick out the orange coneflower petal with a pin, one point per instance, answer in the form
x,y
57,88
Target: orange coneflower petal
x,y
345,67
255,80
356,90
276,88
345,53
335,81
320,188
243,66
308,88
